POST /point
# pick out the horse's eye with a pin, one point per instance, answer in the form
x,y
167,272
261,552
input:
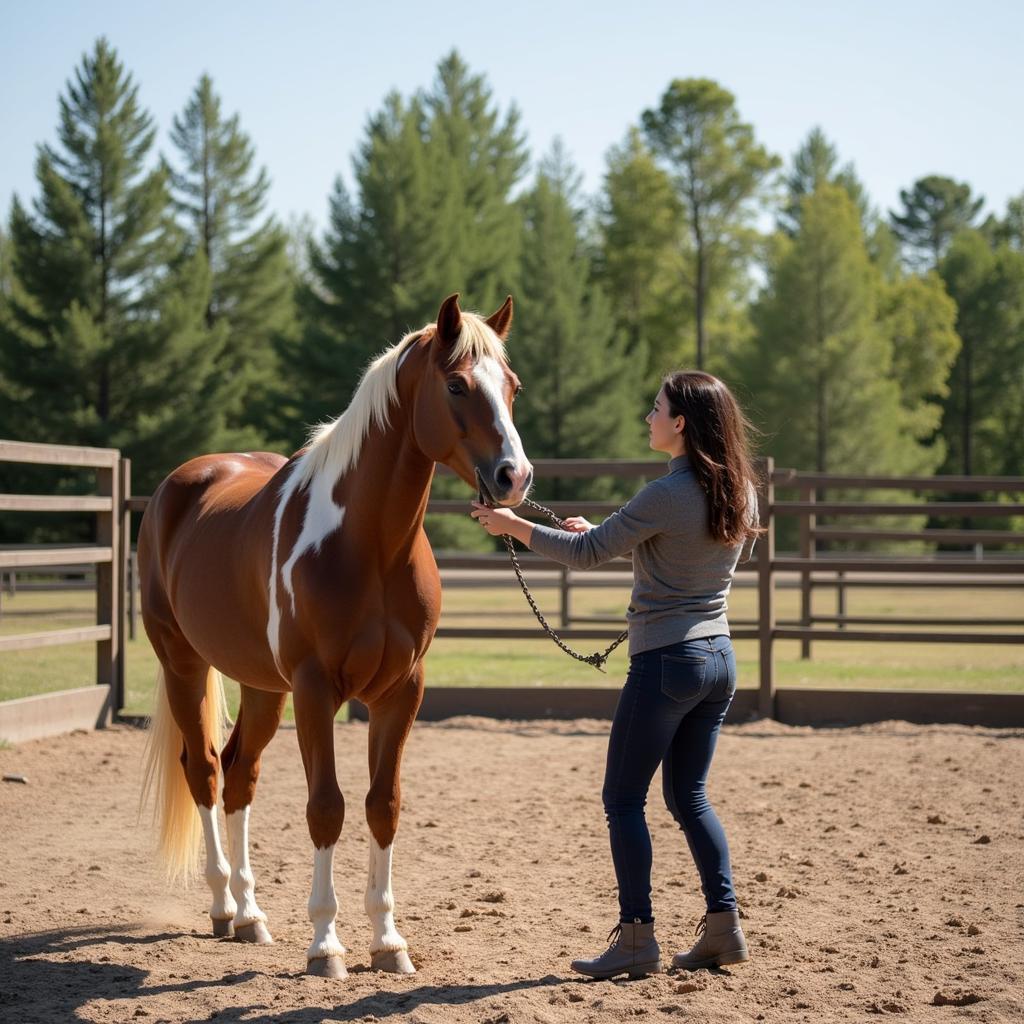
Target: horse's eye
x,y
518,391
455,388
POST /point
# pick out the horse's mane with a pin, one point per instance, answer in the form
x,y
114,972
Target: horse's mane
x,y
334,446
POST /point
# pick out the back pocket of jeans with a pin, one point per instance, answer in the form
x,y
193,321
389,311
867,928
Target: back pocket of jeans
x,y
682,676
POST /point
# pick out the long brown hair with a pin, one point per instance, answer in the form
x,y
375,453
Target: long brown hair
x,y
717,442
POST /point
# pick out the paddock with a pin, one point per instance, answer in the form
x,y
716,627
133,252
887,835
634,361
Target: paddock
x,y
878,869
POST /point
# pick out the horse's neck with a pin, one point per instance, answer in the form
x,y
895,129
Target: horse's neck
x,y
385,493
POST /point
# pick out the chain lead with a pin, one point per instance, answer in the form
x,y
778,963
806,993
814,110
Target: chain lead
x,y
597,659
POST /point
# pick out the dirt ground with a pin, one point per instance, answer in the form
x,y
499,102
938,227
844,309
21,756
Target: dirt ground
x,y
879,869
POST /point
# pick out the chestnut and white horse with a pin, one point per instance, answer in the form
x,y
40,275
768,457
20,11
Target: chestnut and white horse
x,y
313,576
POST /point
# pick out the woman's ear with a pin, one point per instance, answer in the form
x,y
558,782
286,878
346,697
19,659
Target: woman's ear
x,y
680,424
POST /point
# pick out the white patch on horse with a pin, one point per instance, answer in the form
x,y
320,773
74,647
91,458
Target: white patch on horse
x,y
323,517
323,907
490,379
380,901
273,608
217,869
243,884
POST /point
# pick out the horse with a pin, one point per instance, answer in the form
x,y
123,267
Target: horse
x,y
314,576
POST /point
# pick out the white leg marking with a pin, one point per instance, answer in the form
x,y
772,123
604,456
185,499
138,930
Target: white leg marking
x,y
243,884
323,907
217,869
380,901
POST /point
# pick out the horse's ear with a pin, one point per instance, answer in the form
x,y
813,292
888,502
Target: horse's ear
x,y
501,322
449,321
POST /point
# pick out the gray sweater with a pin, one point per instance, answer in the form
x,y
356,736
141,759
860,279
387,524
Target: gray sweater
x,y
681,576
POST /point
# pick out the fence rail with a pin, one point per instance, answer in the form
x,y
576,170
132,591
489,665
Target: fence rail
x,y
815,565
107,555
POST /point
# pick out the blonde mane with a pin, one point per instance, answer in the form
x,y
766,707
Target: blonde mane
x,y
334,446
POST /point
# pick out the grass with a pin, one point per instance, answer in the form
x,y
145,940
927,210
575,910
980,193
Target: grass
x,y
450,662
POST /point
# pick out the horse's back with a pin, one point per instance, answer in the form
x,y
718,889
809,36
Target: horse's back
x,y
209,485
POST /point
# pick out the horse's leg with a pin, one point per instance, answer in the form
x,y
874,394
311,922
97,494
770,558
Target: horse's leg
x,y
217,874
390,722
258,718
188,690
316,703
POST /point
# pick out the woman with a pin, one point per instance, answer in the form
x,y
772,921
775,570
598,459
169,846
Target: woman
x,y
686,531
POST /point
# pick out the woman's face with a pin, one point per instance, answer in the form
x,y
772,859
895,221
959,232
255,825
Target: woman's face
x,y
666,430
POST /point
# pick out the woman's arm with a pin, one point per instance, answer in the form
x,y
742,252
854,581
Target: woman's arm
x,y
642,517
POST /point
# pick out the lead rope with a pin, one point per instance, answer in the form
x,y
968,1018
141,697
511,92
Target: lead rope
x,y
597,659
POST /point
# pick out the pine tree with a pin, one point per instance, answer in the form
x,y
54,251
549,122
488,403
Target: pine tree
x,y
639,259
934,210
221,198
475,157
584,389
984,412
919,319
1010,229
101,339
722,177
821,369
815,163
371,276
6,283
432,214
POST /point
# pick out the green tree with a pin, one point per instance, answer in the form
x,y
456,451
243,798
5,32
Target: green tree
x,y
476,156
919,319
721,175
103,338
584,387
1010,229
821,368
221,197
371,275
432,214
5,267
639,259
934,210
814,164
984,412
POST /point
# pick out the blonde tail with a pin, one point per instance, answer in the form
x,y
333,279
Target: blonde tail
x,y
163,777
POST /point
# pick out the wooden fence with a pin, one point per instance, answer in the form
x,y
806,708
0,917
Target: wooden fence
x,y
91,706
810,569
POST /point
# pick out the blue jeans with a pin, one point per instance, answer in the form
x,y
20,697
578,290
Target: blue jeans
x,y
669,713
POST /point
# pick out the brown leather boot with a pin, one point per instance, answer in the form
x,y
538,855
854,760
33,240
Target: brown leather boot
x,y
720,942
633,951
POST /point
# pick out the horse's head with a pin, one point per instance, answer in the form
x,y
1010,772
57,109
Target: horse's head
x,y
463,411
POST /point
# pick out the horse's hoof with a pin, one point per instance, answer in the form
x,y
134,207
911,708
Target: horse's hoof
x,y
327,967
256,932
223,928
394,961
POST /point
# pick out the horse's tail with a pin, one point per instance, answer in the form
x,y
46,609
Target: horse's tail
x,y
163,777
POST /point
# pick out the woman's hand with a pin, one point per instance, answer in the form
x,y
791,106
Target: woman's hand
x,y
577,524
495,521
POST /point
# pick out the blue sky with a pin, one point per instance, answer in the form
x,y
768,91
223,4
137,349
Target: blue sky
x,y
903,89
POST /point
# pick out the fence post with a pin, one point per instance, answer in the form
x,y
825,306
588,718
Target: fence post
x,y
133,590
766,593
808,546
566,596
108,529
122,555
